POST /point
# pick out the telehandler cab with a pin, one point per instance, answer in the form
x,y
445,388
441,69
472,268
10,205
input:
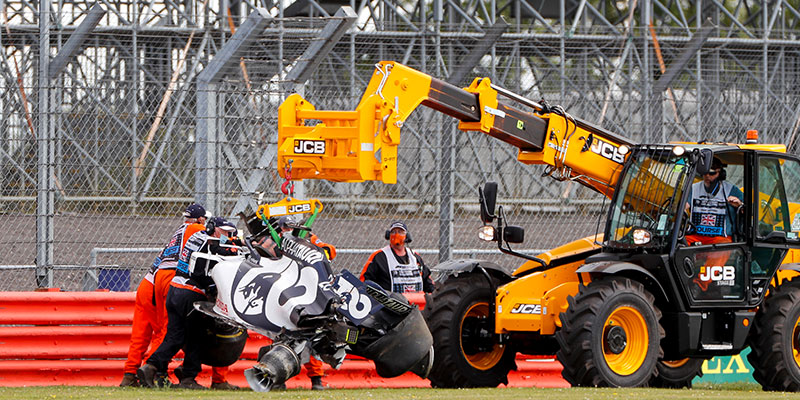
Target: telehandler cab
x,y
636,305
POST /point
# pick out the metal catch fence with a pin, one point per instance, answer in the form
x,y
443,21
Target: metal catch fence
x,y
116,116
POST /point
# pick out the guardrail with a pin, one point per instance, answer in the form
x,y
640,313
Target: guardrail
x,y
81,339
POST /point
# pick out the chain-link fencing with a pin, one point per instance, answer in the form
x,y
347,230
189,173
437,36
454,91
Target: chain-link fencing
x,y
152,111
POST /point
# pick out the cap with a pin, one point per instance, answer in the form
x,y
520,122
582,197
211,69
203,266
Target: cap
x,y
195,211
398,224
230,225
222,223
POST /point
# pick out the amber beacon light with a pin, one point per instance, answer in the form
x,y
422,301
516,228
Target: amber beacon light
x,y
752,136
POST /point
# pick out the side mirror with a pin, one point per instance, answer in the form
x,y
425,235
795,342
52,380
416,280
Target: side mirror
x,y
704,161
488,199
776,237
513,234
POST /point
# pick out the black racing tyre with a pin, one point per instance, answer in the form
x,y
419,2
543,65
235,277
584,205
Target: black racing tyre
x,y
466,350
775,339
677,374
610,335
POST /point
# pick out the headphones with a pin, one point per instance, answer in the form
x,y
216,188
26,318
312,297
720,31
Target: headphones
x,y
210,226
722,173
389,233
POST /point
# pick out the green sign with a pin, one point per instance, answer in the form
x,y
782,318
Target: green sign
x,y
727,369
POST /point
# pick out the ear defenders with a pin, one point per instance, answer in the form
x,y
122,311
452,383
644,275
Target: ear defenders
x,y
210,226
388,235
721,167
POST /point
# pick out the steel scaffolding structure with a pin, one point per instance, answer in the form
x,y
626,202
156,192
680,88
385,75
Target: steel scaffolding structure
x,y
119,113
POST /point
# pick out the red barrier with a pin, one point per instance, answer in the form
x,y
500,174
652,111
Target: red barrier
x,y
81,339
66,308
69,342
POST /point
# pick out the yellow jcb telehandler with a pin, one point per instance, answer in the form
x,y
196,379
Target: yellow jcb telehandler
x,y
643,302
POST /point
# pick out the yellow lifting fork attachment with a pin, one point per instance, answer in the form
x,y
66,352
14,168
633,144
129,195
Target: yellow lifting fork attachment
x,y
288,206
361,145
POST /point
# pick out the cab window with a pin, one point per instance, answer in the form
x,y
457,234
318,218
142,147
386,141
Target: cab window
x,y
732,172
778,204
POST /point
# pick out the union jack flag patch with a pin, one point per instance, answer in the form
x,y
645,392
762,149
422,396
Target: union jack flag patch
x,y
709,220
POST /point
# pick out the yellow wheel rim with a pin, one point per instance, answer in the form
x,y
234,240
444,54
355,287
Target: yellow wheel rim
x,y
483,360
795,344
625,353
675,363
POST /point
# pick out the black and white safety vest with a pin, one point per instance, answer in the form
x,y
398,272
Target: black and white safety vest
x,y
710,210
404,277
196,275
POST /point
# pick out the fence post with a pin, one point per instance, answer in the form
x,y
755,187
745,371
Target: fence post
x,y
45,201
446,189
46,182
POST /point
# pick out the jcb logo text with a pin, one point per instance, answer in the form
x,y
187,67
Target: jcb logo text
x,y
717,273
298,208
527,309
607,150
309,147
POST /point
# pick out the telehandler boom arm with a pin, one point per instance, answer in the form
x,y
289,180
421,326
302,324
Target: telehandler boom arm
x,y
362,144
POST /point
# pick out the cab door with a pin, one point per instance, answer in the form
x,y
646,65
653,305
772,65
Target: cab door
x,y
776,221
718,274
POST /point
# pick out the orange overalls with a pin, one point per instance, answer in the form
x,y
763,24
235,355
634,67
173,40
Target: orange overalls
x,y
144,323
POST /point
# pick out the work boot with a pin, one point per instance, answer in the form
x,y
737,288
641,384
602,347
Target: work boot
x,y
190,383
224,386
147,374
129,379
316,383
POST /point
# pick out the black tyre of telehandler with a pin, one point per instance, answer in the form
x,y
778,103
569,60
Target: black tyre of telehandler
x,y
466,353
677,374
775,339
610,335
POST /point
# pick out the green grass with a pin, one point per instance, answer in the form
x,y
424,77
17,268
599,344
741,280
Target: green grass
x,y
702,391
